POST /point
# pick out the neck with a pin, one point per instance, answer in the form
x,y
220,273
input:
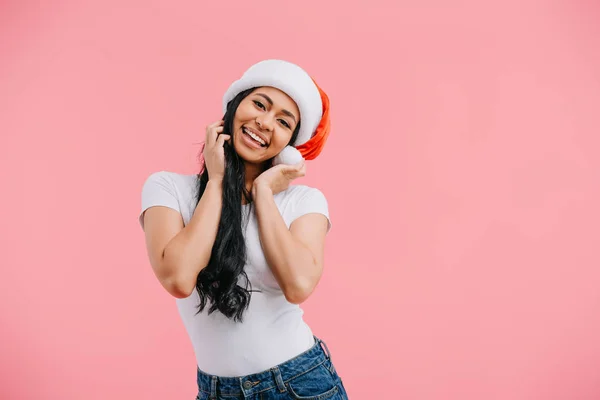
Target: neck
x,y
252,172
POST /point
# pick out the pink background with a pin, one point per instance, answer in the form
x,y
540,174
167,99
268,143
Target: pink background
x,y
462,175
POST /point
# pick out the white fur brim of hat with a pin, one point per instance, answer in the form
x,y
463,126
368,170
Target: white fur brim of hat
x,y
296,83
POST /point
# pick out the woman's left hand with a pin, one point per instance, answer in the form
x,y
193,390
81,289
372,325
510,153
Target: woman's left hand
x,y
279,177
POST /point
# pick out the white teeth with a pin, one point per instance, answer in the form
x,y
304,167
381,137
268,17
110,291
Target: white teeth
x,y
255,137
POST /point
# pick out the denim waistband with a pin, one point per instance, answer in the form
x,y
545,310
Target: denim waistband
x,y
275,377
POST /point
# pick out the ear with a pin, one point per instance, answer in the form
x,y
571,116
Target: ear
x,y
289,155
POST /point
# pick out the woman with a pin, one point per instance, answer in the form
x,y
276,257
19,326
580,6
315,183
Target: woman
x,y
241,248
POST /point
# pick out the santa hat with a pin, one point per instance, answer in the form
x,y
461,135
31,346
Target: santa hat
x,y
312,102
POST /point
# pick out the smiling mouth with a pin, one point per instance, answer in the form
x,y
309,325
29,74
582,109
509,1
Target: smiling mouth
x,y
254,137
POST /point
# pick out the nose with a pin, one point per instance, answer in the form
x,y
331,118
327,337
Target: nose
x,y
265,121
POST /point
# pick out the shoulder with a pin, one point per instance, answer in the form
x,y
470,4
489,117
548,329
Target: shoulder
x,y
170,179
168,183
303,193
169,189
304,200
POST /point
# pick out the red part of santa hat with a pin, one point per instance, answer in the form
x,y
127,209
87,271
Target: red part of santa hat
x,y
311,149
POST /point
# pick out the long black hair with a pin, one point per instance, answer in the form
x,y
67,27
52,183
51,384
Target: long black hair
x,y
217,283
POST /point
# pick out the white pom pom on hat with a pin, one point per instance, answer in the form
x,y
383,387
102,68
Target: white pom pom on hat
x,y
296,83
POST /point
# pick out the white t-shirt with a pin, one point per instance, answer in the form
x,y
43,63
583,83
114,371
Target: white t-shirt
x,y
273,330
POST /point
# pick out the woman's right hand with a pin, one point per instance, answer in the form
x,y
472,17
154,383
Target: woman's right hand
x,y
214,155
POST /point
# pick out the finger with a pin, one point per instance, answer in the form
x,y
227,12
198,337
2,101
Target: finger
x,y
216,123
286,169
295,171
300,166
211,127
212,133
302,171
221,139
211,136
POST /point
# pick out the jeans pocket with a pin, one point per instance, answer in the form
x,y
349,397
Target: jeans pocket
x,y
316,384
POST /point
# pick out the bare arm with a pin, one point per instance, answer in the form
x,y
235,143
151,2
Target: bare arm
x,y
177,253
294,255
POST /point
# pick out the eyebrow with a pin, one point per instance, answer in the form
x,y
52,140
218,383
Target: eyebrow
x,y
286,112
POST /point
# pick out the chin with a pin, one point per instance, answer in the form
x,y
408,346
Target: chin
x,y
252,156
247,155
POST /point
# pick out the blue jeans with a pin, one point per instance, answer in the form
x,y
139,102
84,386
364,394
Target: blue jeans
x,y
309,376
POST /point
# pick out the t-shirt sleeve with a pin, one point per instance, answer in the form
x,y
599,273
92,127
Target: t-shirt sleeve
x,y
158,190
311,201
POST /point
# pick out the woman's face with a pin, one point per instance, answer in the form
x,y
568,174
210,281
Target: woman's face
x,y
264,124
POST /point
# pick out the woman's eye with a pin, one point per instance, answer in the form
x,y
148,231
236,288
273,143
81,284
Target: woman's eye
x,y
259,104
284,123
